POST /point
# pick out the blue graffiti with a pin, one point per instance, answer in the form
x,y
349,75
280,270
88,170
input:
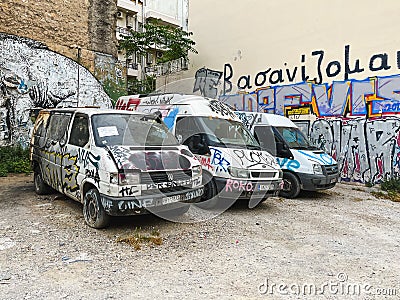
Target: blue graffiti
x,y
221,164
288,164
323,158
170,119
22,87
382,94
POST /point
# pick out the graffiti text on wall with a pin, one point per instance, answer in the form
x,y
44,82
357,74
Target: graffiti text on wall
x,y
366,150
371,97
324,70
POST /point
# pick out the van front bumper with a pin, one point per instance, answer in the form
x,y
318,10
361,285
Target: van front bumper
x,y
232,188
312,182
125,206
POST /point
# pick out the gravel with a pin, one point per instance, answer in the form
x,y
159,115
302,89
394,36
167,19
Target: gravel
x,y
341,243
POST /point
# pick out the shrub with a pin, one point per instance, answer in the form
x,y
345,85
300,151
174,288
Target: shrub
x,y
14,159
391,185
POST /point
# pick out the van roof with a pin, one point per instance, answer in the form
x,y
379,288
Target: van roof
x,y
269,119
194,105
92,110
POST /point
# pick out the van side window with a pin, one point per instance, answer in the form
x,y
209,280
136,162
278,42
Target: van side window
x,y
265,136
58,127
80,131
189,134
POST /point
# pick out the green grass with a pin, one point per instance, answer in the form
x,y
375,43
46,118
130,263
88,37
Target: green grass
x,y
391,185
392,189
14,159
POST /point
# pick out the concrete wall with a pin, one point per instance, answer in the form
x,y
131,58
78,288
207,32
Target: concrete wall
x,y
332,66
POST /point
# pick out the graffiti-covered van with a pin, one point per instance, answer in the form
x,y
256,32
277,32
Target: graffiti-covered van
x,y
234,166
114,162
305,167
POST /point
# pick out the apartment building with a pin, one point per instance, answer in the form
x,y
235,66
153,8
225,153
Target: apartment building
x,y
132,15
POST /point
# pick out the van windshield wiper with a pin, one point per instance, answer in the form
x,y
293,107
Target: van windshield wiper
x,y
304,147
254,147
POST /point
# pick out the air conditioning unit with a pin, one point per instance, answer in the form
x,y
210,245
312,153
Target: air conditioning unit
x,y
120,15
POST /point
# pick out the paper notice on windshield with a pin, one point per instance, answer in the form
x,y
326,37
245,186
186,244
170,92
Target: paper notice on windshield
x,y
107,131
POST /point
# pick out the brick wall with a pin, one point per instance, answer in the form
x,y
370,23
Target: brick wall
x,y
61,25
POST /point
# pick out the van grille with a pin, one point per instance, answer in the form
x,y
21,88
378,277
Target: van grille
x,y
165,176
263,174
331,170
166,191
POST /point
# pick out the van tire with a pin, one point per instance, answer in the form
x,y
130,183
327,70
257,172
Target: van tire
x,y
93,211
291,186
209,199
41,188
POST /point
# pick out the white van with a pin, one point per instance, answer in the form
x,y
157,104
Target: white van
x,y
114,162
234,166
305,167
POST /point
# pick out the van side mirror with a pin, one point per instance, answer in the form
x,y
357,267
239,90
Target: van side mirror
x,y
158,116
197,144
282,150
203,149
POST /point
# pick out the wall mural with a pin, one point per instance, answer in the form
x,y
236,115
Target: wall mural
x,y
356,121
33,77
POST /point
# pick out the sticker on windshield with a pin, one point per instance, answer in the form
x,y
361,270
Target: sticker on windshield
x,y
107,131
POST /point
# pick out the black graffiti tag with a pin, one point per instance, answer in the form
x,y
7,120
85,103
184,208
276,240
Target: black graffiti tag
x,y
222,109
255,158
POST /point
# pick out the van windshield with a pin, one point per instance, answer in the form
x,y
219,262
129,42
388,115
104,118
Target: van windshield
x,y
218,132
130,130
294,138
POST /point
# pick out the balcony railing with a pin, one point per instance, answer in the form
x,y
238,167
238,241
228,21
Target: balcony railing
x,y
122,30
133,66
169,67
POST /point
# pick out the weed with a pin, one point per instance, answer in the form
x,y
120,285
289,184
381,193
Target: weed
x,y
137,239
392,185
357,199
391,195
14,159
369,184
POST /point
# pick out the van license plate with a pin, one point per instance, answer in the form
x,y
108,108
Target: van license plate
x,y
171,199
264,187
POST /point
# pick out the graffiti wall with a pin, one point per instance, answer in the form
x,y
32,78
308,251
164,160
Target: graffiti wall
x,y
33,77
356,121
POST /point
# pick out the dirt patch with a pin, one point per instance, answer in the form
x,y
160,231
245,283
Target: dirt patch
x,y
336,239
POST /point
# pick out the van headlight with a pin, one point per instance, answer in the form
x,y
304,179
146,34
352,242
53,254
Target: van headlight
x,y
239,173
317,168
129,178
196,171
280,174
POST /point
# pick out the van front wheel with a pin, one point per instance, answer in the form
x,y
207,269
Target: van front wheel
x,y
291,186
93,211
